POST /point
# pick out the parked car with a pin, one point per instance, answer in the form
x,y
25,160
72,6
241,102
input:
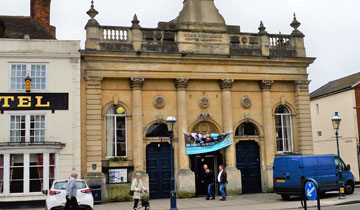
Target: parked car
x,y
56,195
290,173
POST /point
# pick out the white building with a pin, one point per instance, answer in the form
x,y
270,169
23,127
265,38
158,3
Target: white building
x,y
40,129
342,96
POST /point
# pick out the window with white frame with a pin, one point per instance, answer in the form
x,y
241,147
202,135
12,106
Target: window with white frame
x,y
1,174
116,137
36,71
16,173
36,172
283,125
27,173
27,128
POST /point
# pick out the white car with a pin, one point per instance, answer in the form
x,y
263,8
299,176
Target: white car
x,y
56,195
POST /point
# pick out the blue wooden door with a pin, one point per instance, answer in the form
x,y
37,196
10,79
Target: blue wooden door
x,y
248,162
159,170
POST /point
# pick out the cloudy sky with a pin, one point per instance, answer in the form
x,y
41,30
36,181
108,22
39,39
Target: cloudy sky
x,y
331,26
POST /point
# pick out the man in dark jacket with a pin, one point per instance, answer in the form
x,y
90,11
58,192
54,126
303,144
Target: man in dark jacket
x,y
222,180
210,181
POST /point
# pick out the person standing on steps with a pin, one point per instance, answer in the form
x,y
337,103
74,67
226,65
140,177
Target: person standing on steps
x,y
210,181
222,179
203,185
71,193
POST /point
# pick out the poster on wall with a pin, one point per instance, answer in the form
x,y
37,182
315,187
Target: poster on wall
x,y
199,143
117,176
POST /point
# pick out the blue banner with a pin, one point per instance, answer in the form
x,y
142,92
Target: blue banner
x,y
197,143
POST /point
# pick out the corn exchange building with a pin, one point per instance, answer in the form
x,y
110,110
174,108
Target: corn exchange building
x,y
213,78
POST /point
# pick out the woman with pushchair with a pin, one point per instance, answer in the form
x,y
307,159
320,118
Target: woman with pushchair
x,y
137,186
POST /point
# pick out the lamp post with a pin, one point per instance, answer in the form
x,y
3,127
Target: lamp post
x,y
336,124
170,121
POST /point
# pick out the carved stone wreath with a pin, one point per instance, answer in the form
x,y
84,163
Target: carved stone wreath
x,y
204,102
159,102
246,102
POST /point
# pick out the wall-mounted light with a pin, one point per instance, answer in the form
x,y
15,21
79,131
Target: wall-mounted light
x,y
28,84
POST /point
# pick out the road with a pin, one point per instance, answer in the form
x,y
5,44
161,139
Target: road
x,y
346,207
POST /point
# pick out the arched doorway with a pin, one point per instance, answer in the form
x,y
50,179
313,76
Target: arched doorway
x,y
159,169
248,162
212,160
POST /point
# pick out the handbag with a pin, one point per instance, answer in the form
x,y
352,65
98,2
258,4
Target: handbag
x,y
131,192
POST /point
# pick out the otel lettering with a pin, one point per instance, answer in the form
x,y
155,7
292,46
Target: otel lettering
x,y
24,101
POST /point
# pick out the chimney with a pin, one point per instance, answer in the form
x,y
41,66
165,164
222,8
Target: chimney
x,y
40,12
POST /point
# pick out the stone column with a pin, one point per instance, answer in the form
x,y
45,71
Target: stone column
x,y
93,133
136,85
269,130
303,116
234,175
186,178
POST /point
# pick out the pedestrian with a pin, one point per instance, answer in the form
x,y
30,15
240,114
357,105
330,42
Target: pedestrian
x,y
138,187
222,179
210,181
202,180
71,193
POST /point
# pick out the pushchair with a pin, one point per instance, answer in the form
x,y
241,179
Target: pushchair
x,y
144,201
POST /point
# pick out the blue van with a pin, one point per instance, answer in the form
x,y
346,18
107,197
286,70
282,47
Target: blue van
x,y
290,173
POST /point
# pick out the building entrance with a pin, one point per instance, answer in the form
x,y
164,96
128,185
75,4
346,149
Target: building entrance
x,y
248,162
212,160
159,169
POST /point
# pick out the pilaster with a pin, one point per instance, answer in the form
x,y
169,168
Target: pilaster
x,y
269,130
234,175
136,85
304,117
185,177
93,123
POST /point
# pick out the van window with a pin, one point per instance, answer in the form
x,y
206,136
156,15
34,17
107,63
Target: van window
x,y
339,164
293,165
62,185
326,163
311,164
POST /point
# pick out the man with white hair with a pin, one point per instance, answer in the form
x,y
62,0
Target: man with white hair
x,y
71,192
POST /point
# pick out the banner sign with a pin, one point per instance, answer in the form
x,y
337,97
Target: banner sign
x,y
197,143
34,101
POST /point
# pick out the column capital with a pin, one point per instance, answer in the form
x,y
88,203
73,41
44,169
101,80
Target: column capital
x,y
266,84
226,84
181,83
137,82
302,82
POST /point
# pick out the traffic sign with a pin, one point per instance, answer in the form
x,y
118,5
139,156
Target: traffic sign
x,y
310,191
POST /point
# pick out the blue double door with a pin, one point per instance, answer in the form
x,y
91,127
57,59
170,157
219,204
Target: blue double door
x,y
248,162
158,167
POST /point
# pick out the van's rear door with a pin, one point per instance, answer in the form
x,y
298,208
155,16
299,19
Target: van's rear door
x,y
280,170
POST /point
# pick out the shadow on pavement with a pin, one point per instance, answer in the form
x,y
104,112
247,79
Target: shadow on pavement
x,y
327,195
22,204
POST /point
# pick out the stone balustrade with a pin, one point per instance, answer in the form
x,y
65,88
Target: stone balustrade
x,y
113,33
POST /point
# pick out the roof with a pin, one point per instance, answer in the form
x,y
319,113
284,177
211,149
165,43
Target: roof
x,y
336,86
18,26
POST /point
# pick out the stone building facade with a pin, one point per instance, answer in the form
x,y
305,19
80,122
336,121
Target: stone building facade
x,y
213,78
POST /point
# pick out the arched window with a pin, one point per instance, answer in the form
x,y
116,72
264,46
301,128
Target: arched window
x,y
116,132
246,129
157,130
284,138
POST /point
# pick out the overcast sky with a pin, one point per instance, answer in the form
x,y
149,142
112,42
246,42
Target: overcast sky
x,y
331,27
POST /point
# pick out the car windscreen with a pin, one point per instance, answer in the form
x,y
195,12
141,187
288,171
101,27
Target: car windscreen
x,y
62,185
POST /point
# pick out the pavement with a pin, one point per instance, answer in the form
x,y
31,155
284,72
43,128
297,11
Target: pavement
x,y
263,201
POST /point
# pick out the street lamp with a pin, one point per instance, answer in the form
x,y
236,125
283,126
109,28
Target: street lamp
x,y
336,124
170,121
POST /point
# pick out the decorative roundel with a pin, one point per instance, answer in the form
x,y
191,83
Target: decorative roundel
x,y
204,102
246,102
159,102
